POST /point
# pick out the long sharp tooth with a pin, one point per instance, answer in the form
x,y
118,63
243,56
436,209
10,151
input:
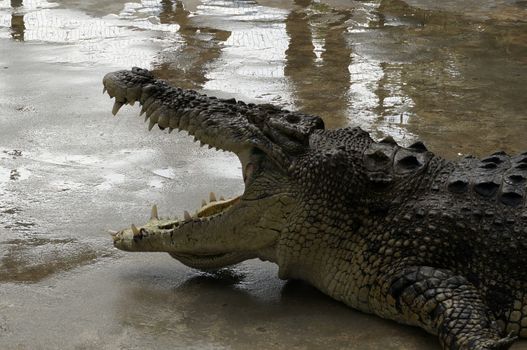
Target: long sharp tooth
x,y
203,203
222,198
170,130
151,125
103,90
135,230
153,214
212,197
187,215
143,110
116,106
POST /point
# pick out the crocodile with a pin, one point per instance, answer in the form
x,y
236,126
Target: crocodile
x,y
390,230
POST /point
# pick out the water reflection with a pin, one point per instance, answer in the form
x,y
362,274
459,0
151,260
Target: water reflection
x,y
197,48
317,60
31,259
461,75
411,68
251,64
17,21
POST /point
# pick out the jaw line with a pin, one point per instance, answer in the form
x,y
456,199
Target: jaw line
x,y
212,262
206,245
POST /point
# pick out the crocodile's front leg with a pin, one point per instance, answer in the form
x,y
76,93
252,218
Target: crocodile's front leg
x,y
442,303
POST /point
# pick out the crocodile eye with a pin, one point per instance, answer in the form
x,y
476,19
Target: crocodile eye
x,y
248,172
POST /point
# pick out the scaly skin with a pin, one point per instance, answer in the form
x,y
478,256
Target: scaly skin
x,y
394,231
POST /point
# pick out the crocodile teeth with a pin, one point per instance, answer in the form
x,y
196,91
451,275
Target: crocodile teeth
x,y
114,235
151,125
186,215
153,214
135,231
116,106
216,207
203,203
222,198
212,197
131,103
143,110
170,130
103,90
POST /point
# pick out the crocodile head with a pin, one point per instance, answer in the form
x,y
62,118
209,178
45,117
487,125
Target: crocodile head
x,y
265,138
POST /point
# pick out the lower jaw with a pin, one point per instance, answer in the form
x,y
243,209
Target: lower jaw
x,y
211,262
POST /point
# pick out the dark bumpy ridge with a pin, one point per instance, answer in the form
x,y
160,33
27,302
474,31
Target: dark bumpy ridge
x,y
497,177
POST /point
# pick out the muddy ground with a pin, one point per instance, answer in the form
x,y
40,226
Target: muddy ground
x,y
451,73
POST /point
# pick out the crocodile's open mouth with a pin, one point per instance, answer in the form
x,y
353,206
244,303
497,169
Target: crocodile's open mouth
x,y
210,212
209,215
222,231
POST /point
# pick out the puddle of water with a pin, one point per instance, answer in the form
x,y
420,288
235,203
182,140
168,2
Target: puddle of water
x,y
64,159
412,69
33,259
156,183
167,173
95,39
221,166
111,180
396,67
4,175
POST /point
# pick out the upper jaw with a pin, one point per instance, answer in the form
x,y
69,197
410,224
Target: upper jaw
x,y
126,86
213,122
221,123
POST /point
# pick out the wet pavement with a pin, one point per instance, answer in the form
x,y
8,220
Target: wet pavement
x,y
452,73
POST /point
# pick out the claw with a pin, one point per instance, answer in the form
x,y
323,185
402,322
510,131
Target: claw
x,y
505,343
116,106
153,214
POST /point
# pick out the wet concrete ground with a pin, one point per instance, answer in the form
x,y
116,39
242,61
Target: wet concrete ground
x,y
452,73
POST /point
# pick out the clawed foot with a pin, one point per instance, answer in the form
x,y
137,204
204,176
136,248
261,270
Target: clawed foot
x,y
502,344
